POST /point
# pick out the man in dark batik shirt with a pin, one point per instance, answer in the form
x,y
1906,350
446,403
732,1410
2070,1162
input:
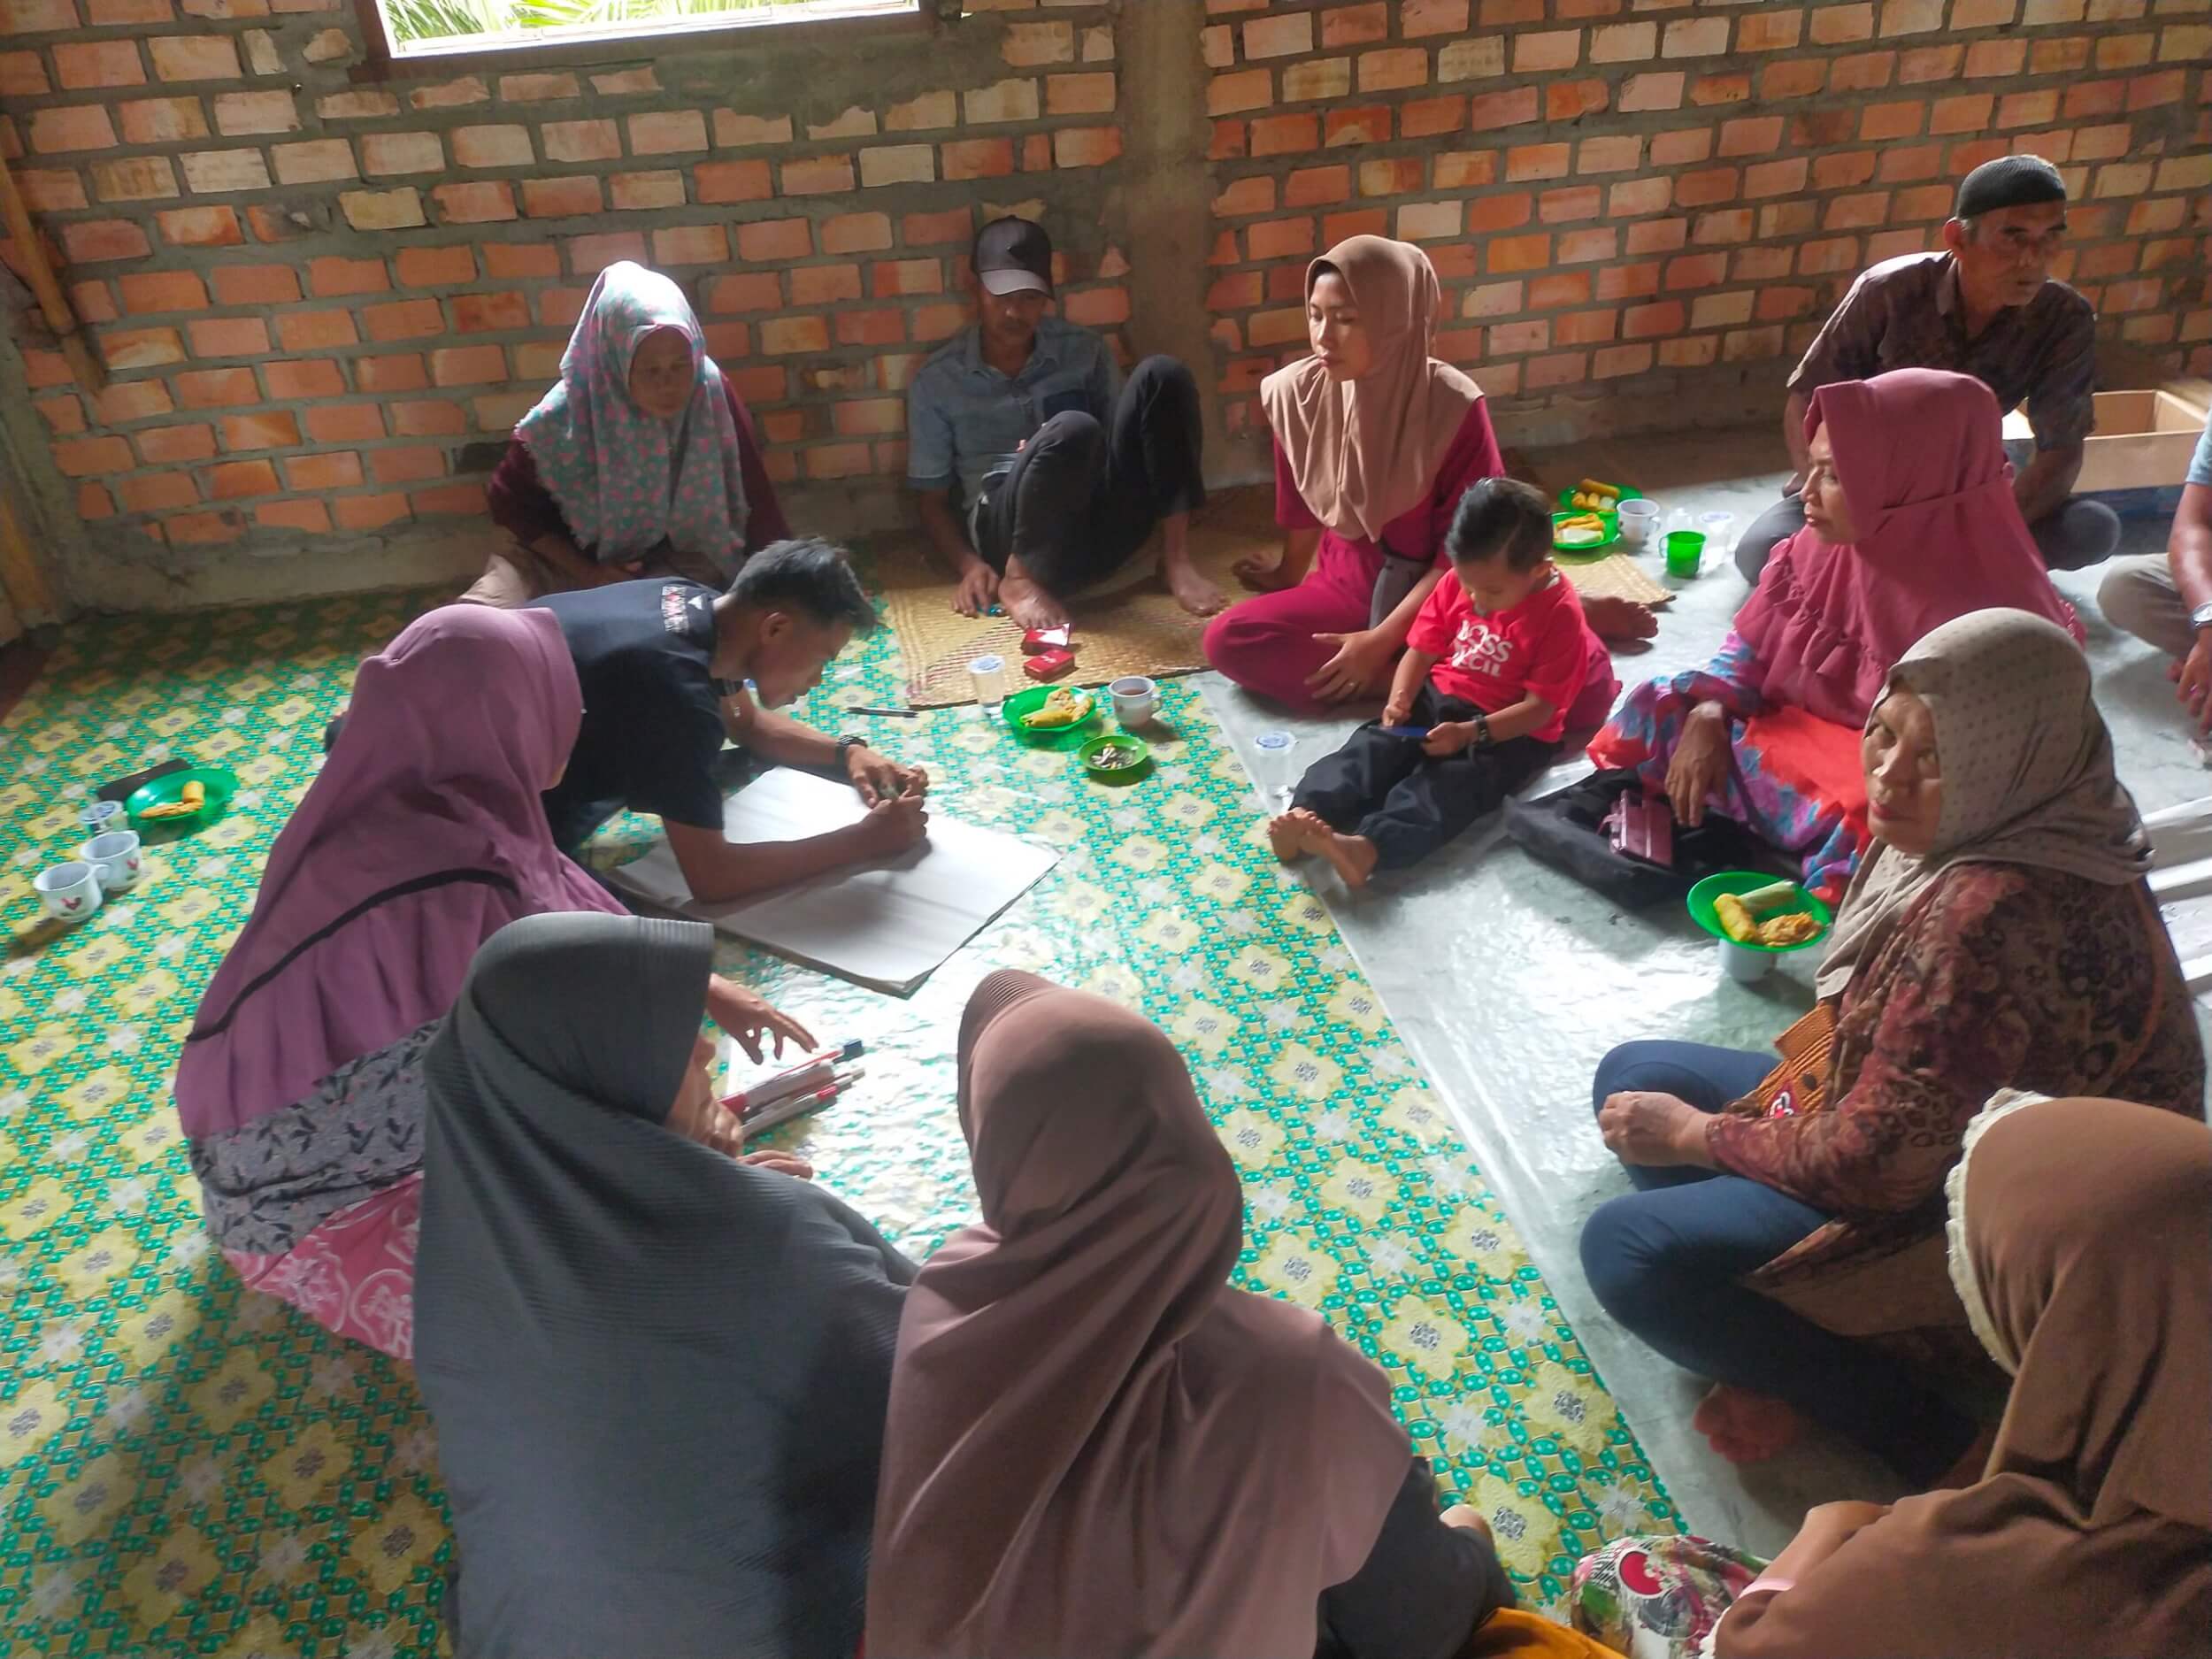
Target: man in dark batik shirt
x,y
1987,307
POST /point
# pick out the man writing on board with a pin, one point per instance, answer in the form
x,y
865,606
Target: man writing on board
x,y
663,665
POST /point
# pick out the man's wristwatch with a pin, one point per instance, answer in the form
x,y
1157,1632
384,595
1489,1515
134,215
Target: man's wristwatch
x,y
1482,729
2200,618
845,746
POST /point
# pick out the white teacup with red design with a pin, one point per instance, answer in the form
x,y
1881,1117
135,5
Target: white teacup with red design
x,y
69,892
117,855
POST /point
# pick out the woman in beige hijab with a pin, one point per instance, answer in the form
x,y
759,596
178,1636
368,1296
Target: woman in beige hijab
x,y
1787,1241
2081,1247
1375,442
1095,1446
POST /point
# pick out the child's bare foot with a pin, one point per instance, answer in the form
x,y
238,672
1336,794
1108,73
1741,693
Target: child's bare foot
x,y
1746,1427
1354,855
1287,836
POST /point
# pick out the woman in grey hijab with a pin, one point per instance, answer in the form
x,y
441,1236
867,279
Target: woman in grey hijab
x,y
659,1376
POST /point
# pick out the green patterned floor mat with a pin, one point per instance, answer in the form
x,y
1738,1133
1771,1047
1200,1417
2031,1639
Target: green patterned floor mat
x,y
185,1468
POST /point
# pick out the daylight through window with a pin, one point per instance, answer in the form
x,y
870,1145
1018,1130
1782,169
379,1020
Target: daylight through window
x,y
425,27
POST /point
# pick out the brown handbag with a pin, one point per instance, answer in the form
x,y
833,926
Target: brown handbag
x,y
1798,1086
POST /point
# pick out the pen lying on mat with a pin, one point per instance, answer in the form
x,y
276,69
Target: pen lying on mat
x,y
889,714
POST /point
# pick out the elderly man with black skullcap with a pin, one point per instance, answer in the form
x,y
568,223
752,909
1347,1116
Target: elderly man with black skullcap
x,y
1986,306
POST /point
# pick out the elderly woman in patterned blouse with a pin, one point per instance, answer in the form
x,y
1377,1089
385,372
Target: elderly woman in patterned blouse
x,y
1787,1226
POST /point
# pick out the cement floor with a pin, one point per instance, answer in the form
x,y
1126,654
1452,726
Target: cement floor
x,y
1509,980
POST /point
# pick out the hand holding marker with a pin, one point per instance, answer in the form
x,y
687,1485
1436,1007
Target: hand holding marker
x,y
795,1090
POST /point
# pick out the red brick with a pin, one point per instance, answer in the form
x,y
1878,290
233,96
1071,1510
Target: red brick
x,y
1356,24
50,189
487,314
816,175
1536,161
407,464
780,336
1336,227
560,198
467,365
1358,124
161,444
1708,91
1492,110
1635,196
1696,271
85,457
1968,113
194,57
509,260
1660,91
689,244
1460,170
403,320
1666,317
1682,147
668,132
1544,51
1395,175
157,492
775,238
384,154
157,291
481,202
332,276
216,388
1564,206
1284,135
1840,170
1856,213
1698,189
268,429
398,372
75,127
97,64
1580,247
228,337
22,75
332,470
1428,118
1571,100
125,400
720,181
751,291
232,480
1499,212
348,422
588,256
308,517
371,512
95,240
200,227
451,499
1505,255
874,328
304,378
977,159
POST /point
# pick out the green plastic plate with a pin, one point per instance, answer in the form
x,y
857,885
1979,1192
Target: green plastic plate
x,y
221,783
1701,897
1062,737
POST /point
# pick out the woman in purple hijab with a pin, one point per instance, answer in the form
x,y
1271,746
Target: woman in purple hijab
x,y
301,1085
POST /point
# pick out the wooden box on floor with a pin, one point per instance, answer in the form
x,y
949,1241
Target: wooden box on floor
x,y
2138,456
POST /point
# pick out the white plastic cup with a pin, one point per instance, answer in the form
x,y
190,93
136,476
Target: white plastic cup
x,y
1640,517
99,815
1272,752
116,854
1744,964
70,892
987,677
1136,700
1720,532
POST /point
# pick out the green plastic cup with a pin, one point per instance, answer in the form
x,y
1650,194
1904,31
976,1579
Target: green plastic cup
x,y
1686,551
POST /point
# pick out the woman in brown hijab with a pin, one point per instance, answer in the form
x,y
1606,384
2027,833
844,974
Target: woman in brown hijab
x,y
1095,1446
2081,1244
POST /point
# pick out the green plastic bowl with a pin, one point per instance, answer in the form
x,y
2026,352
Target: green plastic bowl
x,y
1123,773
1057,737
1610,520
221,785
1745,961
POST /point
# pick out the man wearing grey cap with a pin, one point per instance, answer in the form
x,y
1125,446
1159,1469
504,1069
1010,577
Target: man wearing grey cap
x,y
1987,306
1037,471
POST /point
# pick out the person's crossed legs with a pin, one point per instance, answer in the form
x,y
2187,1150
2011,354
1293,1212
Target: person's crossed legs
x,y
1665,1261
1082,497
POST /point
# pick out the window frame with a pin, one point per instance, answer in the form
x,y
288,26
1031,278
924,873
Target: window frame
x,y
384,61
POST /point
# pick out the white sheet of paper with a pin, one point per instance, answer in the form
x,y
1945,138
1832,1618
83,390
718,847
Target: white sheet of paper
x,y
888,924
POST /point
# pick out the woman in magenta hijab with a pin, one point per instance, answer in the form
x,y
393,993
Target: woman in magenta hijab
x,y
301,1086
1910,523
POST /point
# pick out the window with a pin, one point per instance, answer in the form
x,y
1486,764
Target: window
x,y
432,28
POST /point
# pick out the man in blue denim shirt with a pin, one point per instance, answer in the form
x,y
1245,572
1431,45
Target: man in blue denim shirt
x,y
2167,597
1038,473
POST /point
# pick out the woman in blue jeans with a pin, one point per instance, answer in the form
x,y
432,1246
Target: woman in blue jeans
x,y
1787,1237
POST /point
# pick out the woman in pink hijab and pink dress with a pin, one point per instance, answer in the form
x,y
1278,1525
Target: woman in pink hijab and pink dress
x,y
1375,442
1910,523
301,1086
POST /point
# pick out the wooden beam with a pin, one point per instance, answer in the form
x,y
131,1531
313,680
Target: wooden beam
x,y
46,287
20,573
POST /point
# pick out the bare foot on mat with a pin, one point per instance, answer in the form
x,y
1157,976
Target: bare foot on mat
x,y
1614,620
1191,591
1287,836
1030,605
1352,855
1746,1427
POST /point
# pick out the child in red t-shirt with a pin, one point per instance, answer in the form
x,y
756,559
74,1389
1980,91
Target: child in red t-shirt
x,y
1495,661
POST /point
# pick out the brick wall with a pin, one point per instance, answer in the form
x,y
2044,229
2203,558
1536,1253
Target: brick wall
x,y
1641,210
324,302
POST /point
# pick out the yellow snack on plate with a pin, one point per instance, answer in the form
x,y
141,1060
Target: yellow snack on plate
x,y
1736,921
1062,708
1792,929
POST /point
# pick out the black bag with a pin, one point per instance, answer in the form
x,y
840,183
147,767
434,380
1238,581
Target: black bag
x,y
1566,830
